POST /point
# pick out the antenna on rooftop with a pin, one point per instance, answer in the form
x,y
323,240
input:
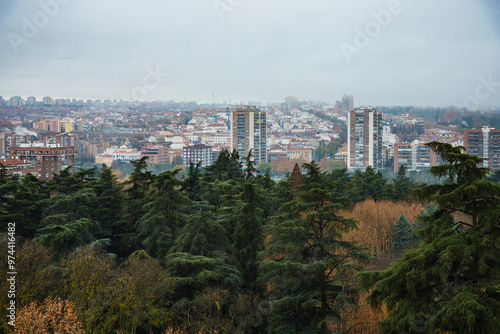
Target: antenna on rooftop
x,y
213,101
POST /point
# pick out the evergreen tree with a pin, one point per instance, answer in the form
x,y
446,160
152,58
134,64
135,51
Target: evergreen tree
x,y
226,167
402,184
249,218
65,182
307,263
165,215
203,235
68,221
24,201
192,184
451,282
424,220
402,235
357,192
137,190
109,212
367,184
249,164
373,183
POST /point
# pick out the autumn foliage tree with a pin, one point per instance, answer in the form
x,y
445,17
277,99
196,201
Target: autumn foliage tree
x,y
376,221
54,315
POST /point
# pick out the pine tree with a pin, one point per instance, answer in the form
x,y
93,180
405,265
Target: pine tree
x,y
249,218
226,167
24,201
402,234
68,221
451,282
307,263
402,184
109,212
203,235
165,215
137,190
192,183
249,165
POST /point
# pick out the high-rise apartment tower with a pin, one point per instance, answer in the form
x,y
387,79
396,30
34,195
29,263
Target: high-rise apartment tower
x,y
364,139
484,143
248,131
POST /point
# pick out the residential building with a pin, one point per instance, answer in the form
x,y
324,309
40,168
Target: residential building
x,y
31,101
197,153
276,154
47,159
248,132
19,167
484,143
347,103
413,156
304,153
157,154
291,101
16,101
364,140
104,159
63,139
407,129
14,138
47,100
126,154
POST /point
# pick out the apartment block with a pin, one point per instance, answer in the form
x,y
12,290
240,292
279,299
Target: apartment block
x,y
347,103
47,159
62,139
364,141
104,159
249,132
157,154
197,153
19,167
484,143
413,156
300,153
13,138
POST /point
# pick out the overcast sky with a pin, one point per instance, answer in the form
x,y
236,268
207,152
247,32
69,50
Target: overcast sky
x,y
413,52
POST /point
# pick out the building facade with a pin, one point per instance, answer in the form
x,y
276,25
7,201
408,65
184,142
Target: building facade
x,y
197,153
249,132
47,159
413,156
364,140
11,138
304,153
347,103
484,143
157,154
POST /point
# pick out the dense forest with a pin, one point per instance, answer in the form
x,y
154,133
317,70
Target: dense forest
x,y
226,249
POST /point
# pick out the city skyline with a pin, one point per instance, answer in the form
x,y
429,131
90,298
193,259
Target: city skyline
x,y
384,53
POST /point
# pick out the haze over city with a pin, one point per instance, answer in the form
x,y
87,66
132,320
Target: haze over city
x,y
404,52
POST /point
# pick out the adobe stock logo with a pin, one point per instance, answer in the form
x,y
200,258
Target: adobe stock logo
x,y
150,82
31,28
224,6
483,91
363,37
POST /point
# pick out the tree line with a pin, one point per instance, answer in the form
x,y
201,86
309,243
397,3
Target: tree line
x,y
224,249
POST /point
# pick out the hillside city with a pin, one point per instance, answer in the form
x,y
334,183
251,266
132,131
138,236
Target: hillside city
x,y
42,137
